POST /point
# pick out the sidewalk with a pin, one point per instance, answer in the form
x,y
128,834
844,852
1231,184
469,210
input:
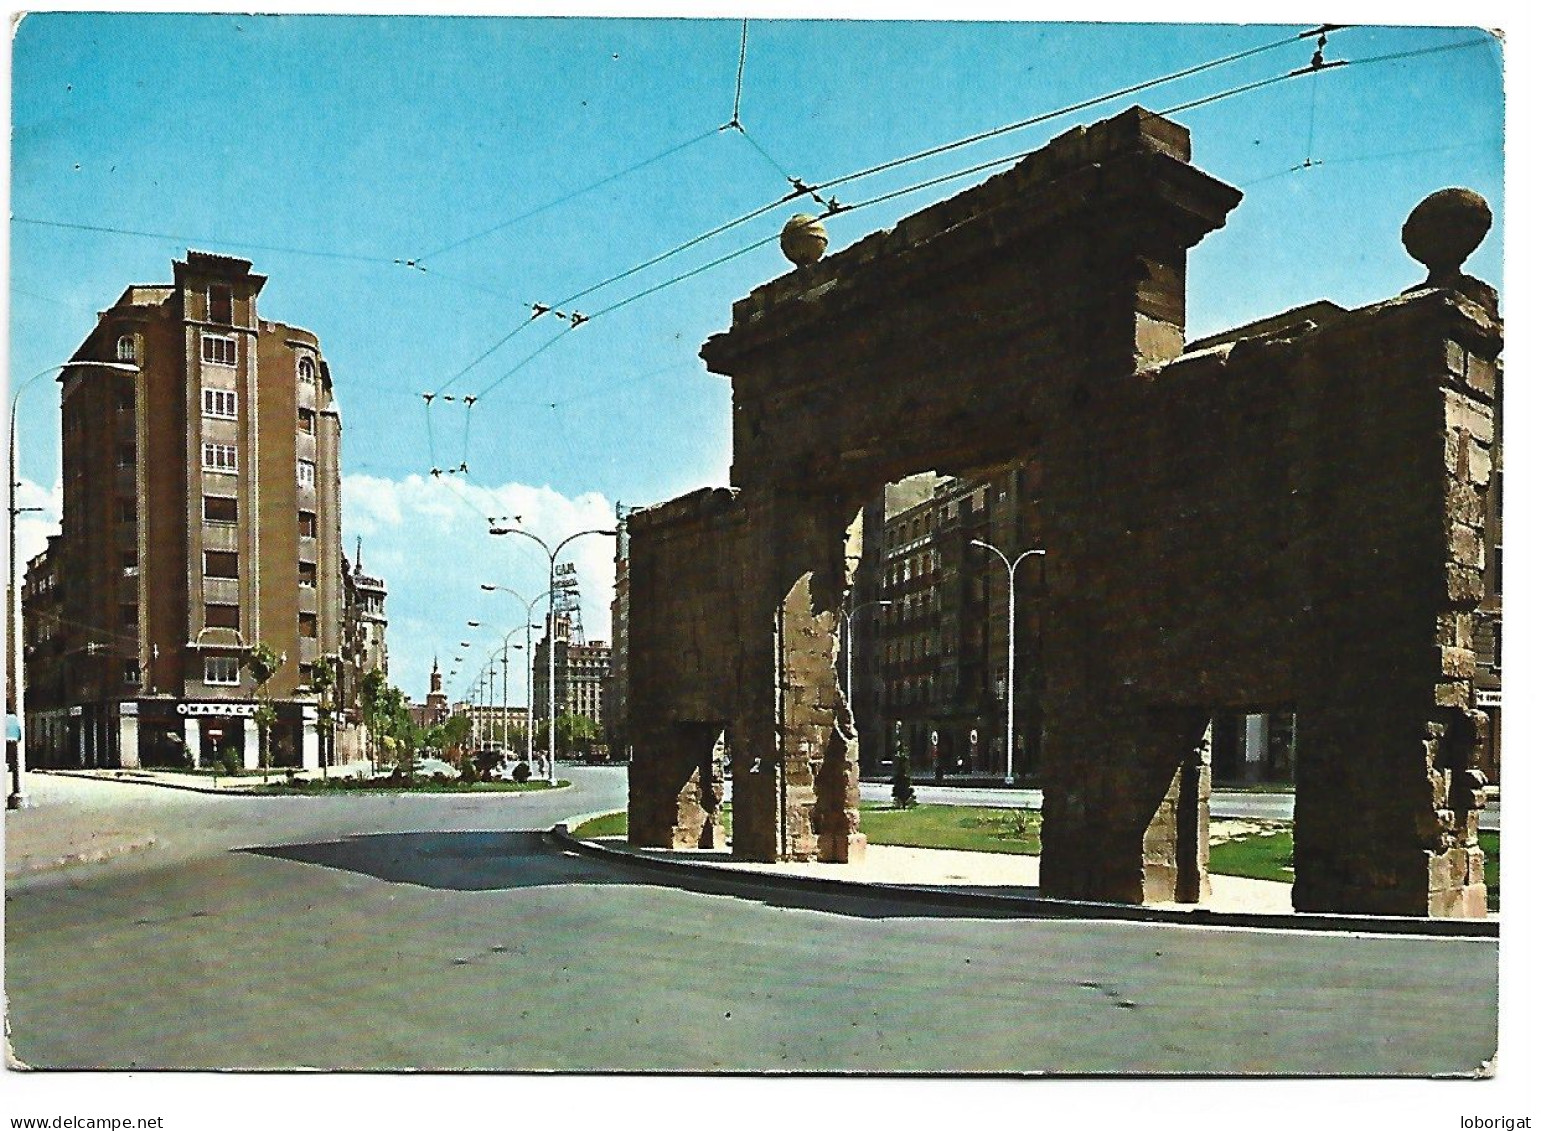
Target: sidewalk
x,y
991,873
209,783
995,881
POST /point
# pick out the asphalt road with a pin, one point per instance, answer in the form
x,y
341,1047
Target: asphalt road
x,y
445,933
1222,803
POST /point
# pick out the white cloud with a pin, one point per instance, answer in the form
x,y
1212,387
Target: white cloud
x,y
34,527
428,538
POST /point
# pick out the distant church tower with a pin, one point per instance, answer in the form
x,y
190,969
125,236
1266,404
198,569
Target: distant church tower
x,y
438,703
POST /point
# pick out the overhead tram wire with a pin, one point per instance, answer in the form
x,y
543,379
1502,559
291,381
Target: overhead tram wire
x,y
980,167
834,208
1086,104
801,189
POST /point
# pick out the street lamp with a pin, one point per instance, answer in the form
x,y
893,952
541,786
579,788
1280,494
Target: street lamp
x,y
551,555
16,685
1011,643
850,615
529,667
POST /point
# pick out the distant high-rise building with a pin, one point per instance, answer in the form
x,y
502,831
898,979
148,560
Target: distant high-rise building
x,y
202,517
582,670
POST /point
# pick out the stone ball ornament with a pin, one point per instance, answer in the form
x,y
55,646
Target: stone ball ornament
x,y
804,239
1445,228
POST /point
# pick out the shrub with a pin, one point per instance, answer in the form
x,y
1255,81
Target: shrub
x,y
229,761
522,772
904,791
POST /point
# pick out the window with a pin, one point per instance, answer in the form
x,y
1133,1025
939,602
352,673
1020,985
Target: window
x,y
126,455
129,560
221,669
222,616
220,403
307,421
126,348
1498,645
306,471
125,400
307,524
307,371
128,615
219,351
220,563
217,508
131,673
308,625
125,510
219,457
308,575
221,305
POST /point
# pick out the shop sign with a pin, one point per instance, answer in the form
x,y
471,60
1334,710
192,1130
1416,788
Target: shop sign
x,y
1490,697
225,710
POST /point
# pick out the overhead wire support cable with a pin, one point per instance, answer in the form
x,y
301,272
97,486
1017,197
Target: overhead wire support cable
x,y
738,84
205,240
550,204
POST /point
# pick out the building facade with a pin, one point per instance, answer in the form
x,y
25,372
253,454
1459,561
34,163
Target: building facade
x,y
582,672
202,516
617,699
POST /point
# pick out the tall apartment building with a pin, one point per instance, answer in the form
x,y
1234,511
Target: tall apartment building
x,y
201,517
582,671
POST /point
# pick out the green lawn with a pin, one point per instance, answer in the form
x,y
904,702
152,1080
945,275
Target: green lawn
x,y
953,826
1272,857
611,824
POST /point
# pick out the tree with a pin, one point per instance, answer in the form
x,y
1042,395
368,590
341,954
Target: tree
x,y
574,731
323,681
264,662
370,686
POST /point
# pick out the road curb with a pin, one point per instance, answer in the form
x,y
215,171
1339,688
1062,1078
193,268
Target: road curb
x,y
1028,907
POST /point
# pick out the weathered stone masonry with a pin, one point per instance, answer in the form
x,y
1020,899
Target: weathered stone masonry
x,y
1292,521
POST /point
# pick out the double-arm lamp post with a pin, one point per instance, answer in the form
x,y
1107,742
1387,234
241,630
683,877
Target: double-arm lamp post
x,y
529,668
15,704
551,555
1011,644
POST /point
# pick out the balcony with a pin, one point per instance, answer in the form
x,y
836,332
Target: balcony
x,y
221,536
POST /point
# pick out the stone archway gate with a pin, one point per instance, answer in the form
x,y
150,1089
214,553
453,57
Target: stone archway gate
x,y
1292,518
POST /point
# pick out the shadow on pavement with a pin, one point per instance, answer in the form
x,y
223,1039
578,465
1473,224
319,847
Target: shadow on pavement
x,y
501,861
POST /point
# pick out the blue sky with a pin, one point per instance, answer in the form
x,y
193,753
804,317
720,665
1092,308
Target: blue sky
x,y
324,148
